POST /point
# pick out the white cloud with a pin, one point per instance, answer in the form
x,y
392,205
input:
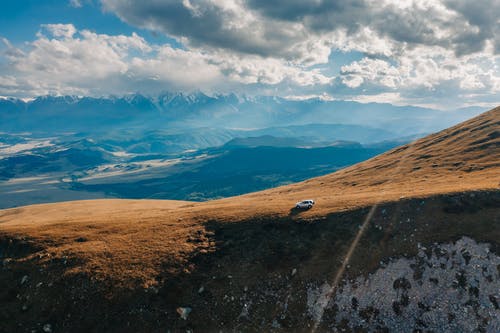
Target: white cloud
x,y
323,97
255,69
63,60
426,70
370,70
75,3
60,30
393,98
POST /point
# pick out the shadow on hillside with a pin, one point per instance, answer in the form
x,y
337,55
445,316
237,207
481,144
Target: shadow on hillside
x,y
264,245
294,211
281,254
253,264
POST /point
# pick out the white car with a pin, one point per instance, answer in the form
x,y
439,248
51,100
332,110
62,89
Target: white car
x,y
304,204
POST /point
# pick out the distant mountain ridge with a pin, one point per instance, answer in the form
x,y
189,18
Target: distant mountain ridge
x,y
266,141
73,113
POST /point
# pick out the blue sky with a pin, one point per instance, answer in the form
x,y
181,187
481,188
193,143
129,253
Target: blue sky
x,y
21,20
440,53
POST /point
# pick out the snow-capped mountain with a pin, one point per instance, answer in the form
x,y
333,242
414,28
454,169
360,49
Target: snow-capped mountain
x,y
74,113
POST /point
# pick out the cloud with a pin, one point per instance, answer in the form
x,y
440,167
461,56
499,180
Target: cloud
x,y
418,47
371,70
11,51
482,22
60,30
222,25
75,3
411,50
281,28
63,60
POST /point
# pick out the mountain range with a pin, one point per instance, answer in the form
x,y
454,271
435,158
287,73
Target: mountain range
x,y
71,113
189,146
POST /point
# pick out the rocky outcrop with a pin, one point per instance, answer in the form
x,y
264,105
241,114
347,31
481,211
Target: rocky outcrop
x,y
446,288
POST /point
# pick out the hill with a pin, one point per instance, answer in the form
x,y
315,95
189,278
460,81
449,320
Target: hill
x,y
408,240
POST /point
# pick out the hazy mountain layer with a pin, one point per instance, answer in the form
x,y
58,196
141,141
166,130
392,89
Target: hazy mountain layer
x,y
51,170
68,113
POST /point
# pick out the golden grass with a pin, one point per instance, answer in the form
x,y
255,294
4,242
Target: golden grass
x,y
131,240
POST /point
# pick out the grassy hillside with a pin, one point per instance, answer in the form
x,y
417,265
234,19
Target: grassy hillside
x,y
413,223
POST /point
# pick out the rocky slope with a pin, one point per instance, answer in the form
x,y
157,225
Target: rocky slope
x,y
406,241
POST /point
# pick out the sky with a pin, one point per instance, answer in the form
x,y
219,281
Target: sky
x,y
437,53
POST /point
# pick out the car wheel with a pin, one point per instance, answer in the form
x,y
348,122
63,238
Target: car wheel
x,y
309,206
